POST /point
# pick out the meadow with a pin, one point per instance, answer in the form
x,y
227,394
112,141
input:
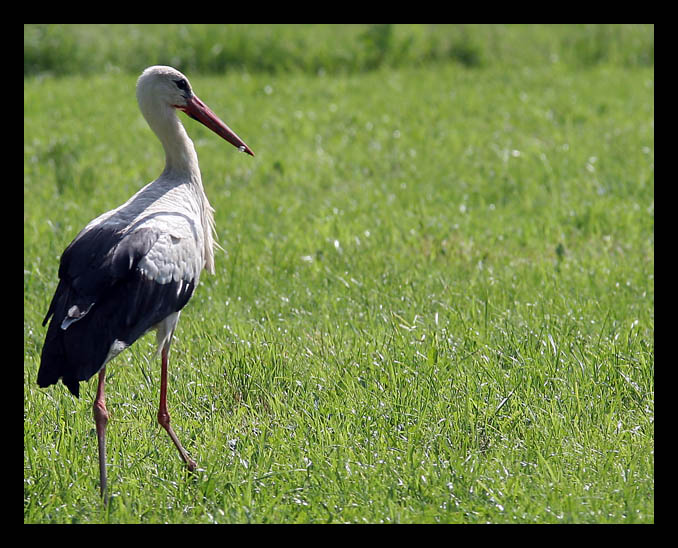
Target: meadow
x,y
435,301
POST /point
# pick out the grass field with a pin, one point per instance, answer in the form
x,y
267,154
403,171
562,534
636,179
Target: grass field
x,y
435,303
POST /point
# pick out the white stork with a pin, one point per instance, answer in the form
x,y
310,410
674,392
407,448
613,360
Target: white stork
x,y
134,268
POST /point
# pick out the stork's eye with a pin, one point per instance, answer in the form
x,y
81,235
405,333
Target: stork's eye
x,y
182,84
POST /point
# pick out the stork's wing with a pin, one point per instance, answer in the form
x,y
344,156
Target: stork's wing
x,y
94,262
114,286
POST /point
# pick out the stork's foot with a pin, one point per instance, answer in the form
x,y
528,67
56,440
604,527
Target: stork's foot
x,y
191,464
164,421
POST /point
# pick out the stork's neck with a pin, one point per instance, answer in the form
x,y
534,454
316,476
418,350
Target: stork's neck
x,y
180,156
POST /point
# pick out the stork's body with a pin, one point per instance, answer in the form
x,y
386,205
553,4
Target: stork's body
x,y
134,268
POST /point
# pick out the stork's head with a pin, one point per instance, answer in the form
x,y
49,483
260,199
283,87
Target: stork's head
x,y
162,85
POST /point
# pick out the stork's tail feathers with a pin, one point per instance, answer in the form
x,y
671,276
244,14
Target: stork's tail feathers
x,y
56,361
52,369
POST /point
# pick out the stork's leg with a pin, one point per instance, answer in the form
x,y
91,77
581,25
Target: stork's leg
x,y
101,419
163,415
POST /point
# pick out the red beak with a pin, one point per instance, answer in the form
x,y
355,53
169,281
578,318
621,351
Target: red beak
x,y
198,110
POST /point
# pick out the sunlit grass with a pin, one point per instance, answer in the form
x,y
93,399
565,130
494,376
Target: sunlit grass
x,y
436,301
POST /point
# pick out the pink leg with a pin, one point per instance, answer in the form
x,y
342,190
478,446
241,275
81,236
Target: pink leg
x,y
101,419
163,415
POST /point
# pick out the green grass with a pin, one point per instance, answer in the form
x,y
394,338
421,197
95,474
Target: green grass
x,y
68,49
435,304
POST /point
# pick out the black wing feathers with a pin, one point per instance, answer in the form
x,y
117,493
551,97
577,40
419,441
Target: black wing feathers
x,y
99,275
96,260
